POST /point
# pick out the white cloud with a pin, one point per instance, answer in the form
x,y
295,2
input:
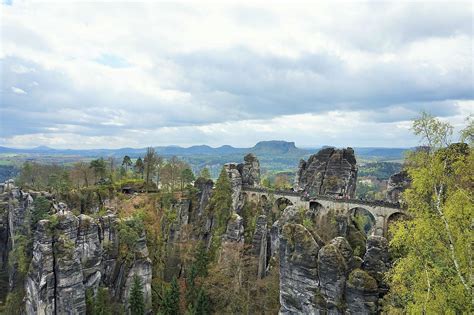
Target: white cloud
x,y
18,90
162,70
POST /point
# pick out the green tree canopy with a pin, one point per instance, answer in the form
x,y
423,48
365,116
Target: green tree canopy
x,y
205,173
433,271
221,201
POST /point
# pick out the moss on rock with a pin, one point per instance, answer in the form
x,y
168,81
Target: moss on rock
x,y
361,280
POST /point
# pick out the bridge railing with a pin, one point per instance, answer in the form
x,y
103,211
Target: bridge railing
x,y
379,203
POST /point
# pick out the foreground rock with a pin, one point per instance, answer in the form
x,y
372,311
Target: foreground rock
x,y
329,279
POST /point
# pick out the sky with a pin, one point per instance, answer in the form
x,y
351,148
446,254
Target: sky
x,y
133,74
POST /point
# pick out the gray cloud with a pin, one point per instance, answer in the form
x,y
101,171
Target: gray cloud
x,y
139,74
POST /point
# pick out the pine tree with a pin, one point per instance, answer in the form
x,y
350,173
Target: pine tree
x,y
170,302
201,260
102,302
205,173
221,201
136,301
139,167
202,305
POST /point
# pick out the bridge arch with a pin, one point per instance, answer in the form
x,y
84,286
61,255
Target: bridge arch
x,y
392,218
315,206
363,219
282,202
254,197
245,196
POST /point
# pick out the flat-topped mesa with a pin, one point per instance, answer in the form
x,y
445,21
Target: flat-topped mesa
x,y
330,172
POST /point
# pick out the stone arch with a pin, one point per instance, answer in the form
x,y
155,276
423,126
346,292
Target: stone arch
x,y
254,197
315,206
245,196
392,218
281,203
363,219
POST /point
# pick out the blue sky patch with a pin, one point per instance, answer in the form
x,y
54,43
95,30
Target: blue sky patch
x,y
112,61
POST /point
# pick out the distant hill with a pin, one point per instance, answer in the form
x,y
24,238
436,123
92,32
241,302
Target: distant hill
x,y
277,147
274,148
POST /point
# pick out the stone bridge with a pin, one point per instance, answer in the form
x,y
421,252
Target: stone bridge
x,y
382,212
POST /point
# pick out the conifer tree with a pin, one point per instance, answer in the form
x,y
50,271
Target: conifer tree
x,y
205,173
136,301
221,201
201,260
170,302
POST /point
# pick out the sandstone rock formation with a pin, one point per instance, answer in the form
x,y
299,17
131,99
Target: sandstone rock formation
x,y
235,230
250,170
259,245
329,279
69,255
397,183
236,183
329,172
298,270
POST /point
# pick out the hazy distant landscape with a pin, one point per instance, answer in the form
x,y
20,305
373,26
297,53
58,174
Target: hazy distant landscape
x,y
275,156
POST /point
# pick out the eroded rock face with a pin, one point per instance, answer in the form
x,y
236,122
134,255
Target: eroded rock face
x,y
54,282
332,276
397,183
70,292
235,230
376,258
40,283
236,183
204,187
361,293
329,279
329,172
288,216
298,270
250,170
90,251
71,254
259,245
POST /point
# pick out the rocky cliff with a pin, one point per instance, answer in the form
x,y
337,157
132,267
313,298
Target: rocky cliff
x,y
328,172
397,183
318,277
69,254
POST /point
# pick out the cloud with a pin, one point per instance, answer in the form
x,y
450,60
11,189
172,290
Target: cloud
x,y
18,90
136,73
